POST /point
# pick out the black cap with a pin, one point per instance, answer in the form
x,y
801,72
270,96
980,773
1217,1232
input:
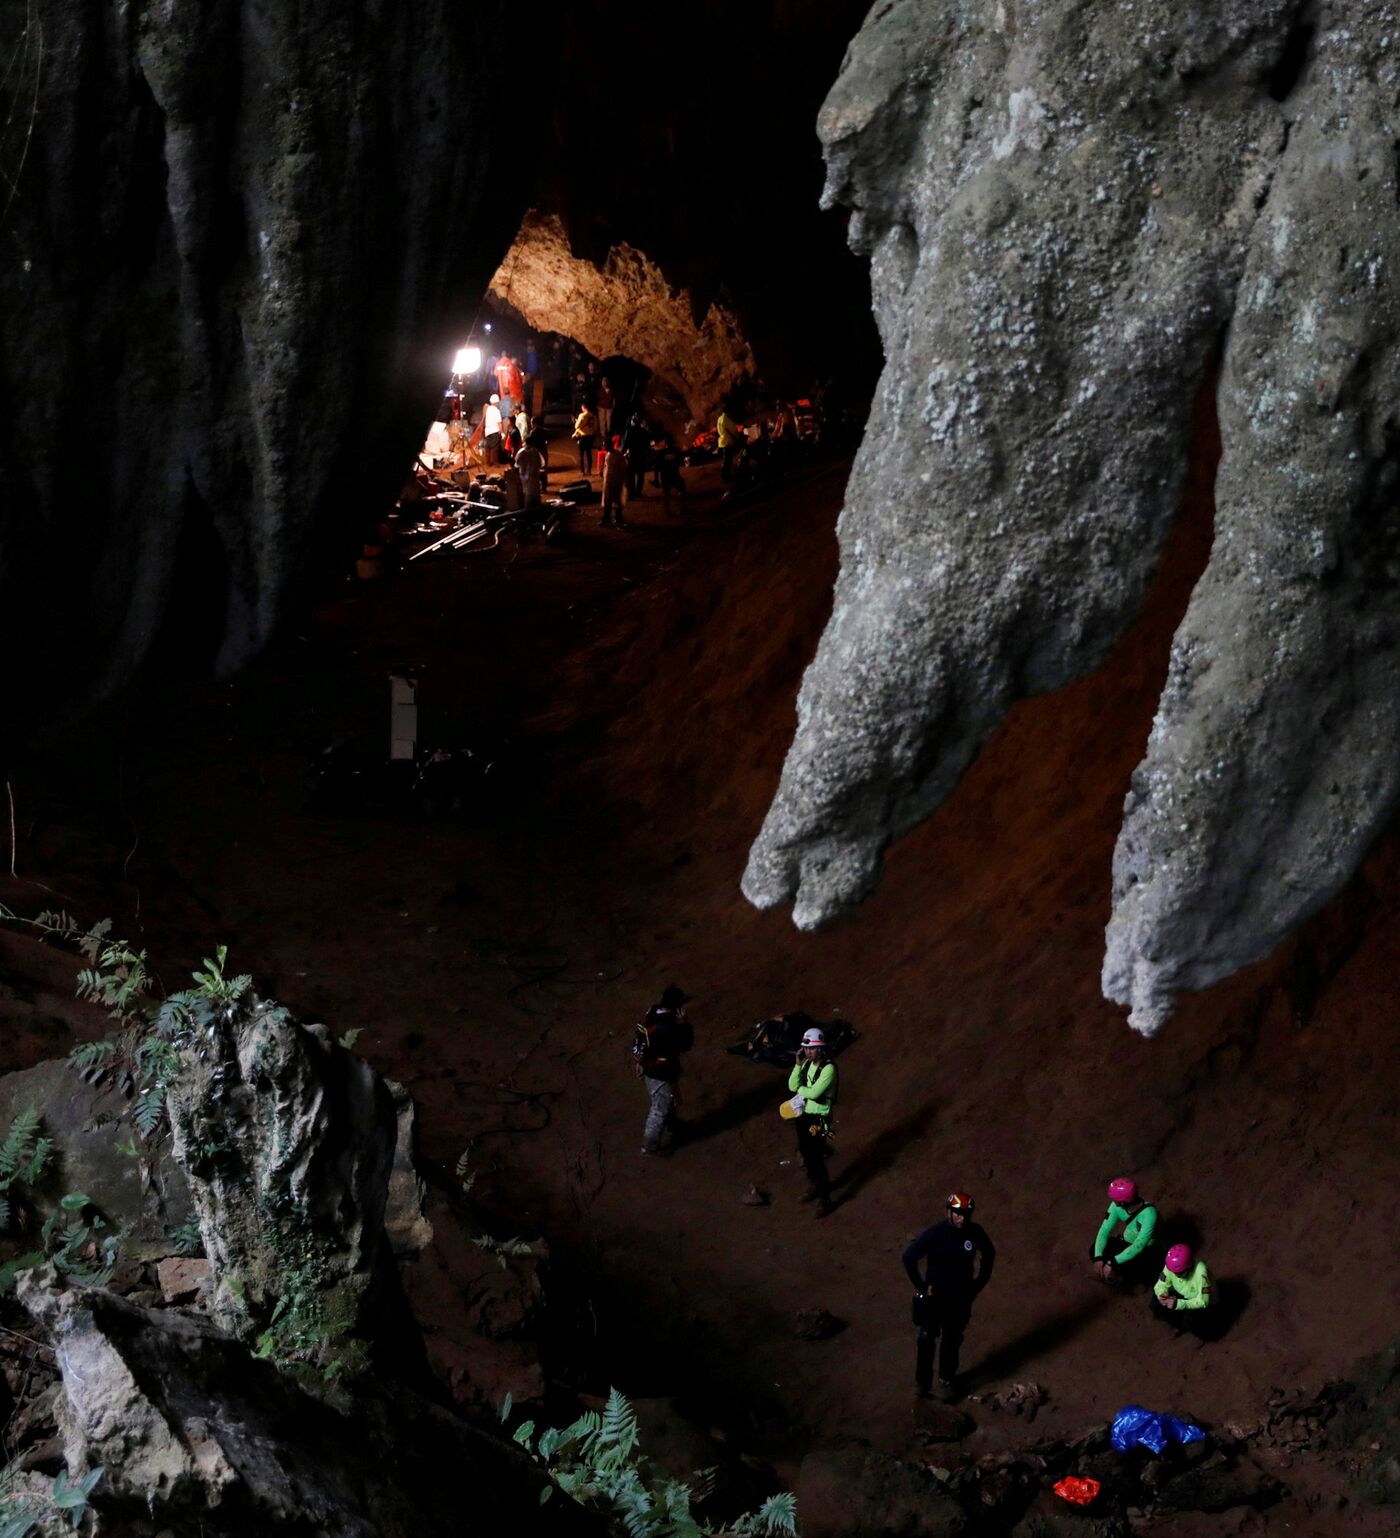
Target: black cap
x,y
674,997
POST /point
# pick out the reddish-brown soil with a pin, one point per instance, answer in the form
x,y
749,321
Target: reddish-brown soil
x,y
647,681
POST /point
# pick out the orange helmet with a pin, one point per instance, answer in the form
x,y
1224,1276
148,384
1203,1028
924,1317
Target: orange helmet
x,y
960,1201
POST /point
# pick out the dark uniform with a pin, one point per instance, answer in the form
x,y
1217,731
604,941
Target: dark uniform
x,y
943,1301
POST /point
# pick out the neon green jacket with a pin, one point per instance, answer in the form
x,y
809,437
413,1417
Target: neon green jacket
x,y
728,431
1192,1290
816,1082
1136,1235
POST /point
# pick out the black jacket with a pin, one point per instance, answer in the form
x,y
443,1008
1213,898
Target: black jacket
x,y
661,1038
950,1253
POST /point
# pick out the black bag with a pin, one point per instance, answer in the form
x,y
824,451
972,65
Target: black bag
x,y
777,1040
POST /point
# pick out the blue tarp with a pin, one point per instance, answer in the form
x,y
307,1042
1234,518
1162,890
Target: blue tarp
x,y
1135,1427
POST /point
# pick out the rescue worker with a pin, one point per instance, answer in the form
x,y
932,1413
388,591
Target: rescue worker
x,y
663,1034
944,1295
585,427
614,480
491,430
1135,1219
1183,1292
814,1084
730,439
530,463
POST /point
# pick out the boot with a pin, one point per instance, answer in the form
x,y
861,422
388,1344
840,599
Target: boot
x,y
809,1195
825,1207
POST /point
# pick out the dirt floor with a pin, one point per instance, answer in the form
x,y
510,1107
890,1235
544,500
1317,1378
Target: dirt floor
x,y
643,683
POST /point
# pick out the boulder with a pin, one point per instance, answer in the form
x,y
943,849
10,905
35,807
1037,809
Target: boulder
x,y
1219,1482
182,1278
196,1434
287,1140
147,1197
858,1493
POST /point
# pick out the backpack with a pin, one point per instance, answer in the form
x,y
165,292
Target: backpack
x,y
777,1040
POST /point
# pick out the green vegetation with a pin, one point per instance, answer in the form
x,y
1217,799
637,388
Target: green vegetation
x,y
76,1236
598,1461
21,1514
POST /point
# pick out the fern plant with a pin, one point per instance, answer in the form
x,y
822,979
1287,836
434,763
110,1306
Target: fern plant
x,y
597,1460
24,1155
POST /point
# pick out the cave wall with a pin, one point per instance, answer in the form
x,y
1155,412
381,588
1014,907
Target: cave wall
x,y
243,244
1067,209
625,305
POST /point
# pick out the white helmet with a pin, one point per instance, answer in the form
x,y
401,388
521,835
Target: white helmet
x,y
816,1037
495,399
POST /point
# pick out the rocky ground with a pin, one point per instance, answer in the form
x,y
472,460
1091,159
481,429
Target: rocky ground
x,y
637,687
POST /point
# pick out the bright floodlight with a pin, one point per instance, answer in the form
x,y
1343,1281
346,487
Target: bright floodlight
x,y
467,361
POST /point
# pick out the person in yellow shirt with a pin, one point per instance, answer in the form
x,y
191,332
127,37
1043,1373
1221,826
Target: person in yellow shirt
x,y
731,440
813,1086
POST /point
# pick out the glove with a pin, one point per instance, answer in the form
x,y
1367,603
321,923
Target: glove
x,y
797,1103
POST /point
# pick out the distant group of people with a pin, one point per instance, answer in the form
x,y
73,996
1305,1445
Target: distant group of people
x,y
625,457
951,1262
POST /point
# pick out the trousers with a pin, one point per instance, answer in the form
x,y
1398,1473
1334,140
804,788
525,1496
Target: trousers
x,y
941,1321
811,1149
659,1112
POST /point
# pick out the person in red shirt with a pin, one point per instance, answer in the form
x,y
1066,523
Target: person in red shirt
x,y
509,382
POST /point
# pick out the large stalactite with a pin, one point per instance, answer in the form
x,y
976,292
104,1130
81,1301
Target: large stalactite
x,y
1066,206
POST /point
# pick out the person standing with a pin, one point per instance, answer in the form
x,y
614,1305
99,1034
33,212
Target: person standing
x,y
813,1083
663,1034
730,440
491,430
636,444
606,401
614,479
530,463
958,1259
1135,1221
667,459
585,427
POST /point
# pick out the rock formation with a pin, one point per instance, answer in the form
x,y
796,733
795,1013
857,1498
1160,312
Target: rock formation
x,y
243,242
624,306
1065,208
198,1436
287,1140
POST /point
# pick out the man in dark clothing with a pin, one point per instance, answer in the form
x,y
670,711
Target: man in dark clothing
x,y
943,1297
663,1034
636,444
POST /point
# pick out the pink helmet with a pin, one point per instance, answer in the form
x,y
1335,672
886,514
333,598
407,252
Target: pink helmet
x,y
1179,1259
1122,1190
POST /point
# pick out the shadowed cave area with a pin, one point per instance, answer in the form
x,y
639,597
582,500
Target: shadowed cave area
x,y
980,635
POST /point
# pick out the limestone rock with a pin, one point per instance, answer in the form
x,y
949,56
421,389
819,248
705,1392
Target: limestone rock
x,y
287,1140
625,305
862,1494
1065,207
196,1434
296,207
148,1198
406,1224
182,1278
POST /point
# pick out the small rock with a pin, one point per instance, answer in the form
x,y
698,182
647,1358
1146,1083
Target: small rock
x,y
816,1324
182,1278
941,1423
753,1197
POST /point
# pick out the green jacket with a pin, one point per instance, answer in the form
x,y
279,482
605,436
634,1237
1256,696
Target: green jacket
x,y
1136,1235
817,1084
1192,1290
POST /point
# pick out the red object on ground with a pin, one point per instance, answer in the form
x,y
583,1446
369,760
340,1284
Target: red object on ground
x,y
1078,1492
